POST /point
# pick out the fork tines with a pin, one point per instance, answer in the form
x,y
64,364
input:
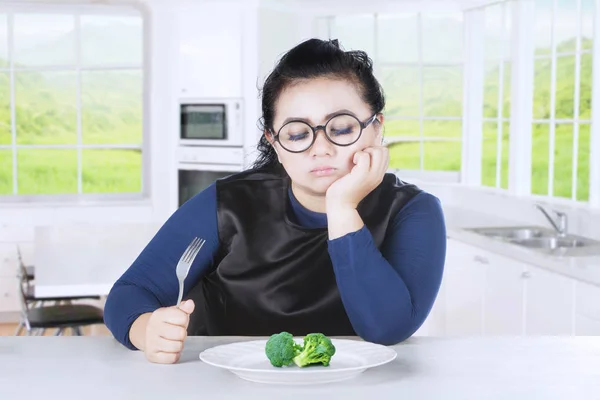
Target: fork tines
x,y
193,249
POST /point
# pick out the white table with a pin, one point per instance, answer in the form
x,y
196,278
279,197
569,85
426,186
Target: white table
x,y
426,368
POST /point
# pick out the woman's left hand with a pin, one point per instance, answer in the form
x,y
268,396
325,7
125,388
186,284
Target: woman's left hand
x,y
367,173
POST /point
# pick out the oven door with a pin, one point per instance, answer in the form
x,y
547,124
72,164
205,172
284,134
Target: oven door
x,y
193,178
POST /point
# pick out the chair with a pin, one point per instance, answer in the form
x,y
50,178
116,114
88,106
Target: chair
x,y
36,316
37,319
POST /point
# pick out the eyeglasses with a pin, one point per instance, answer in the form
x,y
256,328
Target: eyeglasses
x,y
342,130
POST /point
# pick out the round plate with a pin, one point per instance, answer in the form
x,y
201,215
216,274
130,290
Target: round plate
x,y
248,361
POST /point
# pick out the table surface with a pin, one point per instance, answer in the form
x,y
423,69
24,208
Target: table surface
x,y
97,367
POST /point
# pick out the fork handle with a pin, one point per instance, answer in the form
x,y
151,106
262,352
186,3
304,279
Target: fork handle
x,y
180,295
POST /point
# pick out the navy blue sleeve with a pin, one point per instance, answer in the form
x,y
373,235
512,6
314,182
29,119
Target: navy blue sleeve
x,y
150,282
388,294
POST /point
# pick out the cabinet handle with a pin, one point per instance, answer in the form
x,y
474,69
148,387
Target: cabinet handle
x,y
526,275
481,259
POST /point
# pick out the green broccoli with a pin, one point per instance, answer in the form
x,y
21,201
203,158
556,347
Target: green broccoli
x,y
317,349
281,349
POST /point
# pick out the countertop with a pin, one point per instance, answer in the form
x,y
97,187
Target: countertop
x,y
459,220
426,368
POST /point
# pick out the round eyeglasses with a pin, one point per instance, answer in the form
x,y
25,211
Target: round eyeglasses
x,y
342,130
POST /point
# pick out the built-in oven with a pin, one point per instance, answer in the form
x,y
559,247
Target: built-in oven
x,y
199,167
210,122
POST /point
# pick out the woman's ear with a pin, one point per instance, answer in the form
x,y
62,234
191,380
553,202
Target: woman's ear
x,y
271,140
379,127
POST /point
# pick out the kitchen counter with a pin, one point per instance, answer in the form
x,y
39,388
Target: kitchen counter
x,y
458,220
426,368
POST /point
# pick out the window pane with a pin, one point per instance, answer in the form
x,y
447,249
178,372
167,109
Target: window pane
x,y
5,130
46,111
6,172
397,39
3,41
566,25
403,127
44,39
543,26
109,40
442,156
442,91
585,91
583,163
563,161
442,129
111,171
497,35
541,89
442,38
540,159
490,95
402,90
587,23
354,32
490,150
47,171
405,155
111,107
565,86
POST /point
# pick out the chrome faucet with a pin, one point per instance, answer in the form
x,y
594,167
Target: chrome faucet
x,y
562,225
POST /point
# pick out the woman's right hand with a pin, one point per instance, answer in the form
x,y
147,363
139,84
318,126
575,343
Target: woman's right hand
x,y
164,332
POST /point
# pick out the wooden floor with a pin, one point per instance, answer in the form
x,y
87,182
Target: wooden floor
x,y
96,330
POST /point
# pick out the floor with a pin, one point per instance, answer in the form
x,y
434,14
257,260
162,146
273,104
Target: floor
x,y
96,330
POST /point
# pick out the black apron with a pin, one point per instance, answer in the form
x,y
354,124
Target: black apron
x,y
271,274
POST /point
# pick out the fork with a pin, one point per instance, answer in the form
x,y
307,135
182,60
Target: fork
x,y
185,262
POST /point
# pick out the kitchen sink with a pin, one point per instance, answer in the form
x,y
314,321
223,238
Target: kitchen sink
x,y
542,240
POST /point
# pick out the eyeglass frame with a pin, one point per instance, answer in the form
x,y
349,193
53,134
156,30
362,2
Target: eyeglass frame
x,y
315,129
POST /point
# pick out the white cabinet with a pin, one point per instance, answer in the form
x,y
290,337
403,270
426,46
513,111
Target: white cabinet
x,y
463,284
549,303
210,50
503,295
485,293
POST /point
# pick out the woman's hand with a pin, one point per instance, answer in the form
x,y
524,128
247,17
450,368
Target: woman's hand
x,y
161,334
367,173
343,195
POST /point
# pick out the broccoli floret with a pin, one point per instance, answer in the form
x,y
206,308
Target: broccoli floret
x,y
281,349
317,349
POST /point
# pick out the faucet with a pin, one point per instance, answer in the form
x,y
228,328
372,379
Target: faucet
x,y
561,227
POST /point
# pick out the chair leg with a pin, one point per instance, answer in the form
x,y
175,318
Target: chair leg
x,y
59,331
42,332
77,331
19,329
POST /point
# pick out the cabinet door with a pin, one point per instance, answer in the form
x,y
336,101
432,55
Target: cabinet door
x,y
210,50
503,294
587,309
463,290
549,303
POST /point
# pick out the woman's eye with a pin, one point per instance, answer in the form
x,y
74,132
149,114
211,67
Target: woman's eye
x,y
341,131
296,137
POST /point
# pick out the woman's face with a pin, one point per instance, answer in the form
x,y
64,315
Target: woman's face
x,y
315,101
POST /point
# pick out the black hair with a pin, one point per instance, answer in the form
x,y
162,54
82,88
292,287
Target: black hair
x,y
315,58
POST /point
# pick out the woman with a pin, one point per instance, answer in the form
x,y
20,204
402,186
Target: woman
x,y
317,237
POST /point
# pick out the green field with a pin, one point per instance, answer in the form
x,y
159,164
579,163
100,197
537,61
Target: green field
x,y
112,114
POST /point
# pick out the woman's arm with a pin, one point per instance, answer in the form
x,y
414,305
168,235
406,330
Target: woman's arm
x,y
389,293
150,282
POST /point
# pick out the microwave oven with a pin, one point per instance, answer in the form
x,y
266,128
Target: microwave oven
x,y
210,122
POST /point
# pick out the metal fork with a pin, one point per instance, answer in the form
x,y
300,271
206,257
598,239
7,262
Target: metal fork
x,y
185,262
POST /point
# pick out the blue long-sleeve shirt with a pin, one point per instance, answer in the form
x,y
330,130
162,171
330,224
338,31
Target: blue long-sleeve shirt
x,y
387,294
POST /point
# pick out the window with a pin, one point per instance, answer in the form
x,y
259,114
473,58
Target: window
x,y
422,78
71,102
562,98
496,96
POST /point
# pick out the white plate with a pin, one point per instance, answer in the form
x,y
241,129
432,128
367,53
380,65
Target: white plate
x,y
248,361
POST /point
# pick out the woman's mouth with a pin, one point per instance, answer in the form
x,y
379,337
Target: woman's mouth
x,y
323,171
